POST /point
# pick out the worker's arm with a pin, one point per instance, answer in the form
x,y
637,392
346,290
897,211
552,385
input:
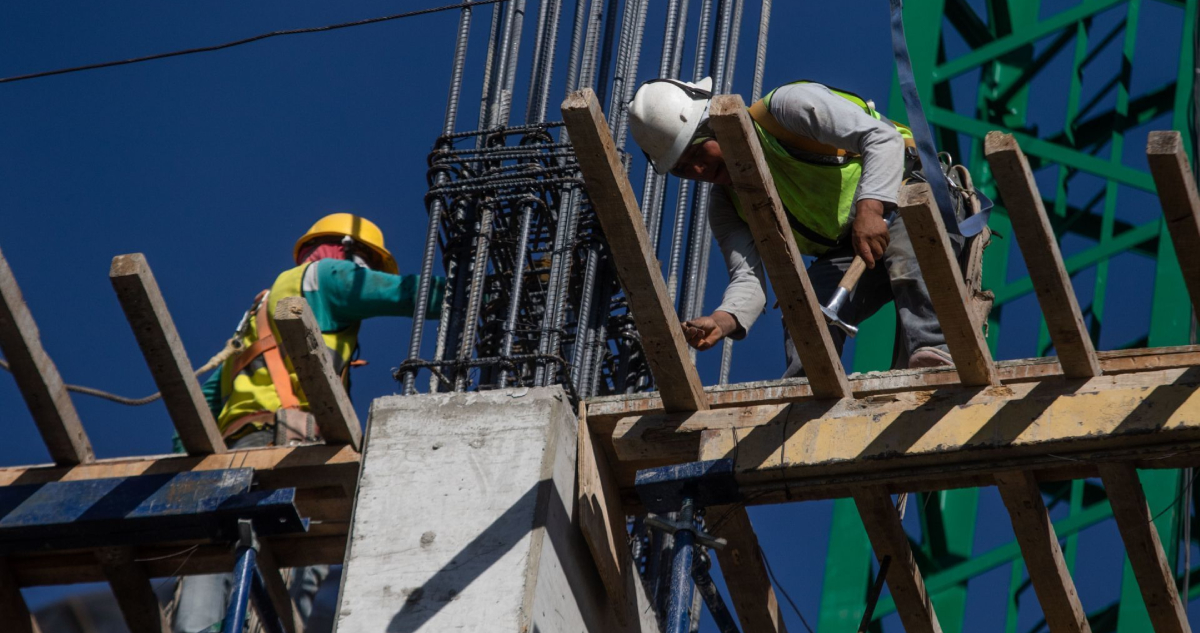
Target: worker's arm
x,y
745,296
813,111
212,392
353,293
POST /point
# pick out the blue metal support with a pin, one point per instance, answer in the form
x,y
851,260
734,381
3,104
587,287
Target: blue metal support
x,y
248,584
684,488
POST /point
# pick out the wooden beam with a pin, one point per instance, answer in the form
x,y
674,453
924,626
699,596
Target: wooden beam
x,y
1145,551
37,377
616,206
161,561
1180,203
268,566
745,574
301,339
904,579
939,267
773,238
12,603
132,589
602,521
1043,259
605,411
940,438
1043,556
169,365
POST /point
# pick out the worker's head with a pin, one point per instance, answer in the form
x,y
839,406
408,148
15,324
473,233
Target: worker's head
x,y
345,236
668,119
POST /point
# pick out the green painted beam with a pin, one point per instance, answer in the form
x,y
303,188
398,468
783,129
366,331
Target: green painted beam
x,y
1024,37
1034,146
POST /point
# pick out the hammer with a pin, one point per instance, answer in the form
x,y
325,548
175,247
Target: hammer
x,y
845,287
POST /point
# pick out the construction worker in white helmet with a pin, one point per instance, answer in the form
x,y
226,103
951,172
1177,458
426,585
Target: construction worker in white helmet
x,y
346,274
837,165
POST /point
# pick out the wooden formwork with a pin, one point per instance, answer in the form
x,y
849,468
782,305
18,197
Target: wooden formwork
x,y
1010,424
324,474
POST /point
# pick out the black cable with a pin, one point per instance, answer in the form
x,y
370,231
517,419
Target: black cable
x,y
763,556
263,36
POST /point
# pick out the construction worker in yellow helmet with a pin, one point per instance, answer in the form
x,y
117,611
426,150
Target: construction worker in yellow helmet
x,y
346,274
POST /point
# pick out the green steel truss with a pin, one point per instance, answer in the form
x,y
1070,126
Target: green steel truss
x,y
1011,48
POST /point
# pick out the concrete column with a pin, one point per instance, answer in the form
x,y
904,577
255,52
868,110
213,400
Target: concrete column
x,y
463,521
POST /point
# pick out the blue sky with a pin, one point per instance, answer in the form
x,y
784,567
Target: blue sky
x,y
213,164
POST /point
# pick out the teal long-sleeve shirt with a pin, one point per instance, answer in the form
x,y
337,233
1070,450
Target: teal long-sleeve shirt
x,y
341,294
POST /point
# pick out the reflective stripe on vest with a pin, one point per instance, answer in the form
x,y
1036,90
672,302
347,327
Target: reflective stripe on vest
x,y
818,195
251,390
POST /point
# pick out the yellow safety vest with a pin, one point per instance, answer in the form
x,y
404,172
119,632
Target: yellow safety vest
x,y
246,379
818,195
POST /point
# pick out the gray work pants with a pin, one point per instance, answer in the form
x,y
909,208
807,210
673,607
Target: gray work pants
x,y
203,599
896,277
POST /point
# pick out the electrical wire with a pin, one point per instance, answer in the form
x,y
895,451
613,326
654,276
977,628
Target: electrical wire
x,y
262,36
763,556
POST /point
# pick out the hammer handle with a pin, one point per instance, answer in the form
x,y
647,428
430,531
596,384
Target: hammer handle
x,y
850,279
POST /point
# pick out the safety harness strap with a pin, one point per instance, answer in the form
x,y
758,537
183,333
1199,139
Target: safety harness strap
x,y
921,133
268,348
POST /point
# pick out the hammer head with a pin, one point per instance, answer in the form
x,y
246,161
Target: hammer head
x,y
832,317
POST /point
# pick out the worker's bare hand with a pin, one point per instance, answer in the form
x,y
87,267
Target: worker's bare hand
x,y
704,332
870,233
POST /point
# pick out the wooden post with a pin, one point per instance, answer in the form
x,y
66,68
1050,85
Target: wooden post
x,y
602,521
964,335
904,579
169,365
1042,256
780,256
1180,203
1043,556
300,337
12,603
1145,551
612,197
745,573
38,378
268,566
132,589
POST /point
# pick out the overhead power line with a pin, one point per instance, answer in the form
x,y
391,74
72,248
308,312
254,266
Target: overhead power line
x,y
263,36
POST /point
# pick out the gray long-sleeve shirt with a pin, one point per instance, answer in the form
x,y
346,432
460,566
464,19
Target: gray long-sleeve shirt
x,y
809,110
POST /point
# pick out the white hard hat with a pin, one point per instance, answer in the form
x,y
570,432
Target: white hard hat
x,y
664,116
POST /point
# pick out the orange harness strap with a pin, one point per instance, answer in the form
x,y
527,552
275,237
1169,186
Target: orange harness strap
x,y
267,347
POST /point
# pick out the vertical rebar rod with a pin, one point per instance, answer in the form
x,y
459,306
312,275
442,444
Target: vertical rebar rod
x,y
543,55
475,293
618,82
424,286
760,54
509,66
560,257
677,239
606,53
591,44
581,358
654,184
631,70
518,280
577,37
687,280
489,71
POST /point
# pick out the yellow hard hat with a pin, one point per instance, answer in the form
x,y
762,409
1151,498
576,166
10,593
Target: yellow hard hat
x,y
362,230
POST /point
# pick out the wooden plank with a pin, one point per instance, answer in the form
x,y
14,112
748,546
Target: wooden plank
x,y
746,577
1143,547
301,339
12,603
780,256
602,521
1043,557
941,438
605,411
37,377
132,589
268,566
1043,259
169,365
904,579
1180,203
616,206
160,561
939,267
